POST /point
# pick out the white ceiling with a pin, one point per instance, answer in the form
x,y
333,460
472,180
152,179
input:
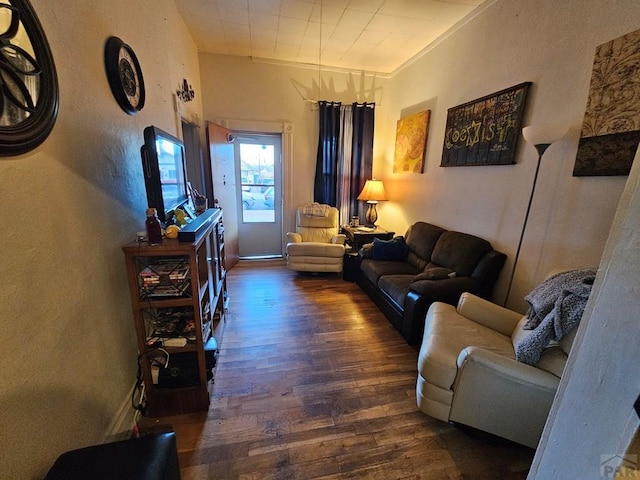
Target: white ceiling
x,y
363,35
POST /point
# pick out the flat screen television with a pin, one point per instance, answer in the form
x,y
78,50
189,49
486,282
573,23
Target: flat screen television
x,y
164,169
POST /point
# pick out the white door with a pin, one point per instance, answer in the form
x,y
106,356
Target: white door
x,y
258,162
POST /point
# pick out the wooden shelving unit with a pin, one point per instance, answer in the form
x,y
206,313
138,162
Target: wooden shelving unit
x,y
179,300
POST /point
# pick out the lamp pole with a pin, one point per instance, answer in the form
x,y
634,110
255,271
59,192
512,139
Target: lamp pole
x,y
540,136
541,148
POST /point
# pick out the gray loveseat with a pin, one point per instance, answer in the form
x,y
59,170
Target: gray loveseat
x,y
436,265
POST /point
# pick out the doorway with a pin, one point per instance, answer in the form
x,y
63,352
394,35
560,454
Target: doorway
x,y
258,164
195,168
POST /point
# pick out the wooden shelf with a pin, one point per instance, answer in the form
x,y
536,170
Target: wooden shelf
x,y
187,383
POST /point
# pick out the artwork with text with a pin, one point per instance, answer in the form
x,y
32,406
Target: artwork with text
x,y
485,131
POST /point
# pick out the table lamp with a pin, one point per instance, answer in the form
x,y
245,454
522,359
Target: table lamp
x,y
372,193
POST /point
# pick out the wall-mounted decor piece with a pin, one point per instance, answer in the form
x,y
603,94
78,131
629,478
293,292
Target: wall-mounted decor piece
x,y
124,75
28,83
611,126
185,92
411,142
485,131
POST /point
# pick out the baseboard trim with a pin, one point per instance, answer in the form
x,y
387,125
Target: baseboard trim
x,y
123,422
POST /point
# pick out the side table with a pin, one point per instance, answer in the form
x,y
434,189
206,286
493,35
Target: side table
x,y
358,236
350,267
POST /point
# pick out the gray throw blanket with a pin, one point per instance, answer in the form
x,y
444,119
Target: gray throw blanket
x,y
555,308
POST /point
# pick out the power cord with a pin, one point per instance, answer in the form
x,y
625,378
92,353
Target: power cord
x,y
140,405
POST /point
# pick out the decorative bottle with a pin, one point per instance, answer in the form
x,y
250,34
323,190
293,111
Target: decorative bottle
x,y
154,230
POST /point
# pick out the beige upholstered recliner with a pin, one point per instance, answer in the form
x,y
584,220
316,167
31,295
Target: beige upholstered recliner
x,y
316,245
468,372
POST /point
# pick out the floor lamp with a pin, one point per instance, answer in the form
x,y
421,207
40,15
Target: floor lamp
x,y
541,137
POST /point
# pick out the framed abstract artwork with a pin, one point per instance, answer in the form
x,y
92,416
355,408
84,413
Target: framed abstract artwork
x,y
485,131
611,126
411,143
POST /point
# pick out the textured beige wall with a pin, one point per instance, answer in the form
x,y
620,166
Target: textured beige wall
x,y
67,348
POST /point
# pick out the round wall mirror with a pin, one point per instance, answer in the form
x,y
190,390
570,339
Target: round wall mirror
x,y
28,81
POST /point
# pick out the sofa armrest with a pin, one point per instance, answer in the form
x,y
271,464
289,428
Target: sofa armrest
x,y
507,367
488,314
487,272
340,239
293,237
501,396
422,294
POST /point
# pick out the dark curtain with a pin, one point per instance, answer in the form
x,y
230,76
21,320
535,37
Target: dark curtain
x,y
325,185
361,153
358,151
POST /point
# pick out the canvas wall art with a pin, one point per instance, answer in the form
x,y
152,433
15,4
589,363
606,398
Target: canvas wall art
x,y
611,126
411,143
485,131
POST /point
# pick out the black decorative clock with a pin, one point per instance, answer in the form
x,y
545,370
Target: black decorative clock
x,y
125,75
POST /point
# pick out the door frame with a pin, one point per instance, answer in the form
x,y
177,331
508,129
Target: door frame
x,y
286,130
259,235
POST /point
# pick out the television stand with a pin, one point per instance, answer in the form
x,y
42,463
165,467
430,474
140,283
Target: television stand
x,y
179,301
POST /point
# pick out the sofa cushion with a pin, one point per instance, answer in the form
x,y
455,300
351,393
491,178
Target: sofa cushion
x,y
435,273
421,238
315,249
445,290
396,287
394,249
374,269
459,251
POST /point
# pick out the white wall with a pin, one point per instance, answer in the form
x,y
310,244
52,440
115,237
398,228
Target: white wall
x,y
551,44
237,88
68,351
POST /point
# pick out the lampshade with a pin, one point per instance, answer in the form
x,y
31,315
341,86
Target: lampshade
x,y
544,134
373,191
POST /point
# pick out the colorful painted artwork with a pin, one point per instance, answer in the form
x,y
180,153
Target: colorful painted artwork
x,y
485,131
411,142
611,126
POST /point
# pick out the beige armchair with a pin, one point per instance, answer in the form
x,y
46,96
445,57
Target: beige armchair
x,y
468,372
316,245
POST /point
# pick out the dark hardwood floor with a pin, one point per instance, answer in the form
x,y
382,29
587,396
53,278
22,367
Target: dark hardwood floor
x,y
314,382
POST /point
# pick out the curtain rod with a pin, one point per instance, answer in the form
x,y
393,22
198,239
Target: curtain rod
x,y
363,104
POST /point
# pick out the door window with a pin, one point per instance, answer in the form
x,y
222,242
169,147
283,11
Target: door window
x,y
259,194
